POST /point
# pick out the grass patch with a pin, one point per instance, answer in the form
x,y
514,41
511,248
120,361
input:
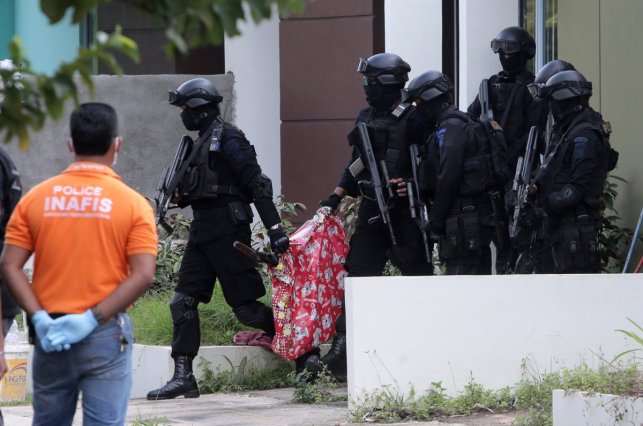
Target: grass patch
x,y
532,396
319,391
154,421
152,320
242,377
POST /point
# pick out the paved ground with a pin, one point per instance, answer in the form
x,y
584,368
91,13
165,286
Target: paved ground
x,y
271,407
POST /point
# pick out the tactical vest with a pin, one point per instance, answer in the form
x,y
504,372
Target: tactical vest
x,y
389,139
201,179
477,167
556,170
510,94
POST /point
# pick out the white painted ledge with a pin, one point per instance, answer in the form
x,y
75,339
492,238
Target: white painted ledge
x,y
597,409
152,366
406,332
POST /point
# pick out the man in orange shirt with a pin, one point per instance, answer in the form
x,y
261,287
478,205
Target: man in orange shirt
x,y
94,241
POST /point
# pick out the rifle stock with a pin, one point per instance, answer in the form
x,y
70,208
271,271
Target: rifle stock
x,y
367,149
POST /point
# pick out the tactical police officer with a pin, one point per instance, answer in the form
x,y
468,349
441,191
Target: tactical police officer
x,y
569,184
458,177
513,108
529,241
392,131
220,182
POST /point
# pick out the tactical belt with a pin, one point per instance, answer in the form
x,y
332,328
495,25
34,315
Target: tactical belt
x,y
222,189
211,213
469,204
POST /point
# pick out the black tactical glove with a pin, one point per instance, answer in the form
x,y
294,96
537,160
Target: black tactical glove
x,y
332,201
279,241
532,217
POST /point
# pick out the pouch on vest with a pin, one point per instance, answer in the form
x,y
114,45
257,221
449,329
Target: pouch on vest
x,y
449,243
471,230
475,176
240,212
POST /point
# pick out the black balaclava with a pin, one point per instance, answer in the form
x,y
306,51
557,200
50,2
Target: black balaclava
x,y
382,97
432,109
199,118
513,64
564,111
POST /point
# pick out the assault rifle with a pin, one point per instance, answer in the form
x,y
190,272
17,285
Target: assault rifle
x,y
172,175
376,180
258,256
169,181
419,211
522,181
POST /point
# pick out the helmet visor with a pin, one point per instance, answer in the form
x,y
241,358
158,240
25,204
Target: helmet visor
x,y
176,98
566,90
535,89
505,46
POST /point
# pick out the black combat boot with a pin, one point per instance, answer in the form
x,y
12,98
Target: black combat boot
x,y
303,375
182,383
334,361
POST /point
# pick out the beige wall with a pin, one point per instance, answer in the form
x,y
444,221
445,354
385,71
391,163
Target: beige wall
x,y
603,39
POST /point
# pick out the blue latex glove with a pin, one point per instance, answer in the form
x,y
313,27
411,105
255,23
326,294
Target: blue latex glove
x,y
72,328
42,322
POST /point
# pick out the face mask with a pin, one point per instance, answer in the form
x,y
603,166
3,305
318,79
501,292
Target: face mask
x,y
561,110
431,110
513,64
382,97
190,122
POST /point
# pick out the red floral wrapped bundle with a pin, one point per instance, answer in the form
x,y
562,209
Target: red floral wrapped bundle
x,y
308,286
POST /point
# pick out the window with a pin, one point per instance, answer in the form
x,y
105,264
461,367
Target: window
x,y
539,18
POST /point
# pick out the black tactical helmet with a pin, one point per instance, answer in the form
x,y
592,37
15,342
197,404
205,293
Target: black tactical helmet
x,y
386,68
546,72
428,85
514,40
567,85
194,93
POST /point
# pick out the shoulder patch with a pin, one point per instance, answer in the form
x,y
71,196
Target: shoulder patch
x,y
400,110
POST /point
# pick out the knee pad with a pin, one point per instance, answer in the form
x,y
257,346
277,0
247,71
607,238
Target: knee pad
x,y
256,314
183,308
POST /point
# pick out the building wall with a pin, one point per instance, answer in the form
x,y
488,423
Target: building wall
x,y
414,31
321,91
7,26
253,58
480,22
406,332
46,45
600,38
151,129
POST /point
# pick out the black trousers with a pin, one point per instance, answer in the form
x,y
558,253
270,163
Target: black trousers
x,y
371,246
209,256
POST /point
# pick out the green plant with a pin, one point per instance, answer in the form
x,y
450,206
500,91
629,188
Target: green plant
x,y
152,320
154,421
318,391
241,377
170,253
613,240
634,336
287,211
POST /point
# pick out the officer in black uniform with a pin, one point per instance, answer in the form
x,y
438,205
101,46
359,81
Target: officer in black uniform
x,y
514,109
457,178
393,130
530,248
569,184
222,180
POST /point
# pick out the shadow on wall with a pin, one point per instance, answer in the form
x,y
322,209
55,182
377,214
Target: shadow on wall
x,y
150,126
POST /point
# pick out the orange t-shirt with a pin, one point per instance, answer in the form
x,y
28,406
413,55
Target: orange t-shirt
x,y
81,225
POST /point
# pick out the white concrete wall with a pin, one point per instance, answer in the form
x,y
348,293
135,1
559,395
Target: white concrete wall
x,y
480,22
406,332
253,58
414,31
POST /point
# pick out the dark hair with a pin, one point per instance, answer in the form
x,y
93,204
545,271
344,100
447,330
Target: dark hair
x,y
93,126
